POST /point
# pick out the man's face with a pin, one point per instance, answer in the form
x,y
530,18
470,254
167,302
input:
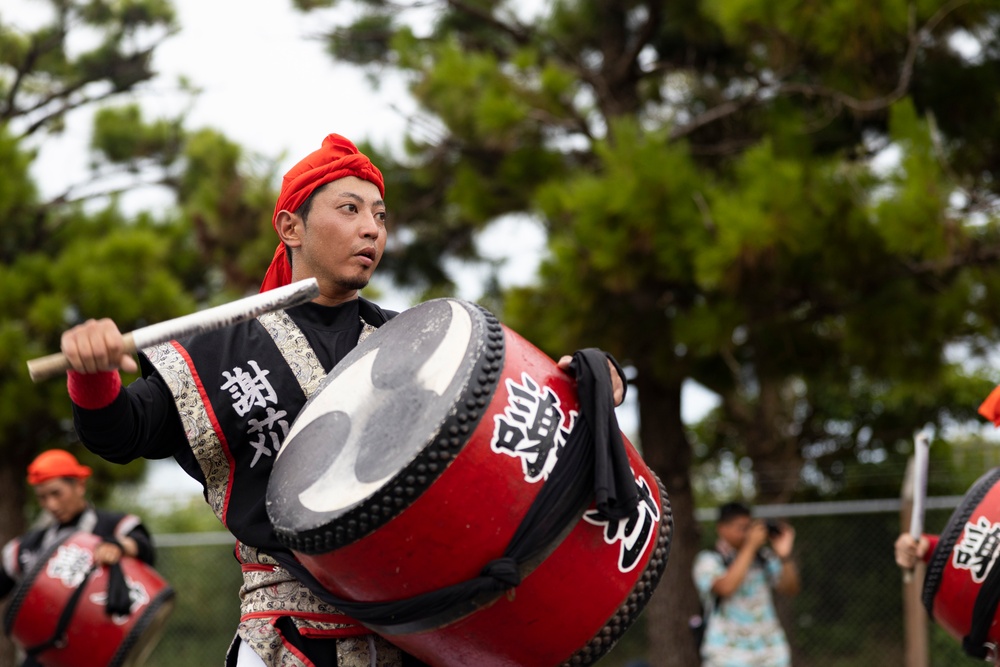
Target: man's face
x,y
734,531
62,498
343,238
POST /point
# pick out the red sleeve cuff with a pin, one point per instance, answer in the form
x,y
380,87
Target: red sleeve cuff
x,y
932,542
93,391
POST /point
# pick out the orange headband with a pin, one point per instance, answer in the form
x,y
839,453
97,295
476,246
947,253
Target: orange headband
x,y
55,463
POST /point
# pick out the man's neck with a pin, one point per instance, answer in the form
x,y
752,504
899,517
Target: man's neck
x,y
75,518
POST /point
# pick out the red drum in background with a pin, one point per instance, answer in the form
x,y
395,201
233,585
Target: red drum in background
x,y
415,462
92,638
963,559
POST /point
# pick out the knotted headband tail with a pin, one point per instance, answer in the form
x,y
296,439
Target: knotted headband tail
x,y
990,409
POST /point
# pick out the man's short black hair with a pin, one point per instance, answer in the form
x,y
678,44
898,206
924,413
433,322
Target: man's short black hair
x,y
731,511
306,207
303,212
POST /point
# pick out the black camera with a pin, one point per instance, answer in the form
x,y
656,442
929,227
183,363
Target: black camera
x,y
773,528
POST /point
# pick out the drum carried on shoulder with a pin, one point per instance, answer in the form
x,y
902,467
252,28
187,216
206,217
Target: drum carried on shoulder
x,y
58,612
415,468
962,584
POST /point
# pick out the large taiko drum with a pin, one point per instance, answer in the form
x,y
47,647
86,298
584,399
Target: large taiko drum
x,y
962,584
60,607
415,463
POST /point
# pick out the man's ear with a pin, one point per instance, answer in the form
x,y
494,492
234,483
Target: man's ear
x,y
289,227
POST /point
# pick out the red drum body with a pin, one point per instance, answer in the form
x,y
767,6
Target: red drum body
x,y
412,467
965,554
91,638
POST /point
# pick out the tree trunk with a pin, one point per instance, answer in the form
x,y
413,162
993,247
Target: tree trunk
x,y
12,521
668,452
770,434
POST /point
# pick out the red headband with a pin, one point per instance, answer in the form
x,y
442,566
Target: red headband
x,y
336,158
53,464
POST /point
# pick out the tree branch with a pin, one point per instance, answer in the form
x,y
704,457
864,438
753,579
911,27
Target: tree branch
x,y
67,196
643,36
975,255
766,92
520,33
34,53
715,113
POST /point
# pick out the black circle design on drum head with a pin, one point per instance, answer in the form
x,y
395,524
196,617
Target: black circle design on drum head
x,y
952,533
384,424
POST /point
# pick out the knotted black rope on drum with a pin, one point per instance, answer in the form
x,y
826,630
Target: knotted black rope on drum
x,y
592,464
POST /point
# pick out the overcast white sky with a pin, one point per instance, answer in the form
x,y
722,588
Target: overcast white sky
x,y
267,83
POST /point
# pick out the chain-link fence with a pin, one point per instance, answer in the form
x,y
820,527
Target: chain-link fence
x,y
206,578
849,612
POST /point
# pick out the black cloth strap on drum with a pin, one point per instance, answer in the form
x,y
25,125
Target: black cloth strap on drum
x,y
983,612
593,462
59,634
119,601
614,484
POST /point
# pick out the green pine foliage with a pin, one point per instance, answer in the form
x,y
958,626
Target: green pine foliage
x,y
79,254
791,204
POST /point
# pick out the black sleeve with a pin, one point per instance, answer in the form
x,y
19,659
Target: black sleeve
x,y
142,422
7,583
147,553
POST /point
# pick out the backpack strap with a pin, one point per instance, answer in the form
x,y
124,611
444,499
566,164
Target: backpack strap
x,y
726,562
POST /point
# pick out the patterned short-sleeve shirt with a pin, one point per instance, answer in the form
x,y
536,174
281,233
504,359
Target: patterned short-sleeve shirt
x,y
744,630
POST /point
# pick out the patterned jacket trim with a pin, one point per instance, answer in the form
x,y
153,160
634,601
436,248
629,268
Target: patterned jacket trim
x,y
206,442
297,352
268,643
362,651
128,523
270,590
11,563
366,330
295,349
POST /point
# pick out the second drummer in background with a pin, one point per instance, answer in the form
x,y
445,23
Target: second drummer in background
x,y
60,485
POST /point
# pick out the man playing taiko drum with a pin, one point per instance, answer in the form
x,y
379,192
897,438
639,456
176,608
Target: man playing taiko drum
x,y
221,403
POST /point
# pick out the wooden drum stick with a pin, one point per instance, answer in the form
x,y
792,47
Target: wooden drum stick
x,y
202,321
921,446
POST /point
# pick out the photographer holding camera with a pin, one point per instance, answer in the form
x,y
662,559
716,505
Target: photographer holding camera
x,y
735,579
